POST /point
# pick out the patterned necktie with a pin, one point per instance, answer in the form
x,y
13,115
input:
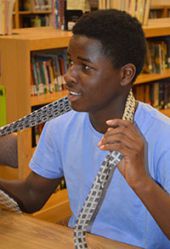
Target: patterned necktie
x,y
95,197
96,194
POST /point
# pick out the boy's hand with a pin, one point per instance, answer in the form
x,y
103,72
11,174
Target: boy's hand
x,y
124,137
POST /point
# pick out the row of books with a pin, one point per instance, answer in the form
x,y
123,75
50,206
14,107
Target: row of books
x,y
6,10
47,70
138,8
60,8
64,13
156,94
158,55
158,13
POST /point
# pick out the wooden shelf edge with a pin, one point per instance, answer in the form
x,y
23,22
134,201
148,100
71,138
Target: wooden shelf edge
x,y
39,38
47,98
145,78
157,27
165,112
26,12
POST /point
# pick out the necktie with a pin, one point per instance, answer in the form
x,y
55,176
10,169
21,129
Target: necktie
x,y
94,198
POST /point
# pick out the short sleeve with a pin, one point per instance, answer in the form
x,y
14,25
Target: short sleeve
x,y
46,160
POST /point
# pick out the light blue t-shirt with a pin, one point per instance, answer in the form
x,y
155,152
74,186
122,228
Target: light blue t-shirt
x,y
68,147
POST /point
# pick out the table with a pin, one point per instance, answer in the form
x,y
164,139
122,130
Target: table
x,y
25,232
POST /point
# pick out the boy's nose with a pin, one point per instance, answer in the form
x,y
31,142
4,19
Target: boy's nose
x,y
70,76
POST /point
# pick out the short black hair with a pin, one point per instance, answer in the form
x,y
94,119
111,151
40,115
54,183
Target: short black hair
x,y
120,34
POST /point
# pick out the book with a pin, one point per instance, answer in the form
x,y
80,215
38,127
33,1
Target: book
x,y
60,7
156,58
146,12
6,12
2,106
167,49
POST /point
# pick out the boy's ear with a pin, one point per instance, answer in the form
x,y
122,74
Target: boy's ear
x,y
127,74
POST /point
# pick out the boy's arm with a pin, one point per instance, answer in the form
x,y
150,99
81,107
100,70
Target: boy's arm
x,y
32,193
126,138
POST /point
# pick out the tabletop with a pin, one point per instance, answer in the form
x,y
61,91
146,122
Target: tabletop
x,y
26,232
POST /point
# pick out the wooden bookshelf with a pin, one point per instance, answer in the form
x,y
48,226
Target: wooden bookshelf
x,y
20,45
47,98
157,27
15,51
15,57
19,14
37,12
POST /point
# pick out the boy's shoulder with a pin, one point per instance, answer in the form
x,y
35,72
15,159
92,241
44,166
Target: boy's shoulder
x,y
149,118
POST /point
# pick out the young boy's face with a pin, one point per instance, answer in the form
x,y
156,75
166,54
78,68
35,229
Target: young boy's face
x,y
92,81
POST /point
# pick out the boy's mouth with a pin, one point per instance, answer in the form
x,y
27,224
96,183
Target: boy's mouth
x,y
74,93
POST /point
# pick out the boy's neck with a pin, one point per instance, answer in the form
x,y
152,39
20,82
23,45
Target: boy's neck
x,y
98,119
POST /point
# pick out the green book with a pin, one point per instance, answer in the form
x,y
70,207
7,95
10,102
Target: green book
x,y
2,106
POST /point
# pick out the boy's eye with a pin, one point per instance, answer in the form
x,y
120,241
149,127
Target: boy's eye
x,y
86,67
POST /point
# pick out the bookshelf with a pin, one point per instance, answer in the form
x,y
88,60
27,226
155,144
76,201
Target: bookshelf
x,y
15,75
15,57
26,15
